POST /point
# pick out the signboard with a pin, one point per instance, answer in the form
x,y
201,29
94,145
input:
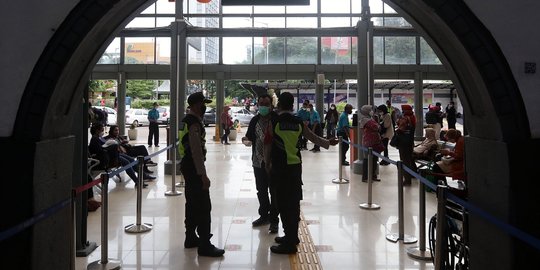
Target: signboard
x,y
265,2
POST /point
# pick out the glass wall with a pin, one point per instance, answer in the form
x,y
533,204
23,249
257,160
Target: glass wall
x,y
389,50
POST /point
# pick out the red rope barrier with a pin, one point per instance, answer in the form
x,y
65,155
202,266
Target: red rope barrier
x,y
80,189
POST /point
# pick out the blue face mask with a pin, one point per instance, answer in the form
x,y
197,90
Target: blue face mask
x,y
264,110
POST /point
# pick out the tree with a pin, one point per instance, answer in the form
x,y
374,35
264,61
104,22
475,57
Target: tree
x,y
140,88
233,89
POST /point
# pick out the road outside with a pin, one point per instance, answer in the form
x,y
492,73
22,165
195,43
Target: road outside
x,y
142,135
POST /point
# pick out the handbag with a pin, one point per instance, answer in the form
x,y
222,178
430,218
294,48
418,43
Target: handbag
x,y
394,142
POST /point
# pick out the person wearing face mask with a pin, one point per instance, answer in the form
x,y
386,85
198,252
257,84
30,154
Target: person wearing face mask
x,y
226,124
331,119
386,130
451,115
370,138
343,131
303,114
259,137
192,151
286,170
315,125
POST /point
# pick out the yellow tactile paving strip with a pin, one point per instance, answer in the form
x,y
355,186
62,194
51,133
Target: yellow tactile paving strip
x,y
306,258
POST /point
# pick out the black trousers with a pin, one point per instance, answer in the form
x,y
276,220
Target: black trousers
x,y
267,205
198,205
344,149
405,154
289,193
318,132
153,132
365,167
226,132
385,143
136,150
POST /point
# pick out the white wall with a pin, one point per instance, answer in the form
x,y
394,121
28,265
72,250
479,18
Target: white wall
x,y
514,24
25,29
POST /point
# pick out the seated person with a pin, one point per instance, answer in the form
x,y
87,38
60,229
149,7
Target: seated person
x,y
98,145
427,148
131,150
453,161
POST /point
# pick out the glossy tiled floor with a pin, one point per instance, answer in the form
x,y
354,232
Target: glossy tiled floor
x,y
345,236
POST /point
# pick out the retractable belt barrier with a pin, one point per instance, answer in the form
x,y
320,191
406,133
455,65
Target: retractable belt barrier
x,y
505,227
512,230
71,201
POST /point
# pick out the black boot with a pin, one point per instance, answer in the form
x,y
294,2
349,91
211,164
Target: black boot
x,y
209,250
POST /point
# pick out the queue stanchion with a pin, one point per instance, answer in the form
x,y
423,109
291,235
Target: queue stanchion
x,y
173,191
104,262
394,237
420,252
340,179
440,231
139,227
370,205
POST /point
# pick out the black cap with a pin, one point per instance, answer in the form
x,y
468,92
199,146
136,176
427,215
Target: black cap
x,y
196,98
286,100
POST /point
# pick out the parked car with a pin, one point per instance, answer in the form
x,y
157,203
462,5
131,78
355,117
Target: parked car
x,y
164,115
209,116
137,117
241,115
111,114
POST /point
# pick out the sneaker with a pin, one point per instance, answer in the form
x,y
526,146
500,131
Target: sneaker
x,y
149,145
210,251
273,228
260,221
283,249
148,177
191,241
156,145
150,164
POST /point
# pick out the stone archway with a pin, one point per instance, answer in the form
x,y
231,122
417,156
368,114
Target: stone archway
x,y
483,77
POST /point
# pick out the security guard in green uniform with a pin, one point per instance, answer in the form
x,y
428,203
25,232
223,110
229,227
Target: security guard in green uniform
x,y
192,150
286,170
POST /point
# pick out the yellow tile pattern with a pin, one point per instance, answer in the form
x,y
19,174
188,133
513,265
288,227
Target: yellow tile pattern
x,y
306,258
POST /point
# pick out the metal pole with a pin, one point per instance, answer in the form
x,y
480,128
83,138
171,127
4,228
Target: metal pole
x,y
73,235
340,179
104,262
369,205
440,250
407,239
421,253
178,95
138,227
